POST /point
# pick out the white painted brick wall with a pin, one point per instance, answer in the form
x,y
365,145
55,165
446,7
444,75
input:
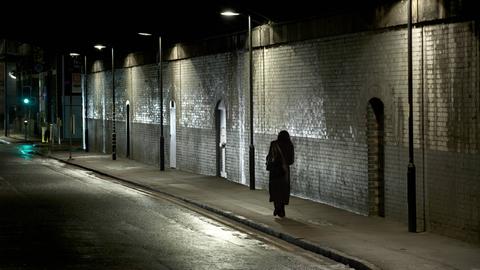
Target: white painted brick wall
x,y
319,91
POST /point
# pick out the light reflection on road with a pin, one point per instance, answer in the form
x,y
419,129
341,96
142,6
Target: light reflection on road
x,y
26,151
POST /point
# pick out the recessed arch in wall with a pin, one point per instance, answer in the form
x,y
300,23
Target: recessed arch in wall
x,y
173,135
376,157
127,125
221,137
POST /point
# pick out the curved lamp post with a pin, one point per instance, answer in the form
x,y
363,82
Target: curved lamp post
x,y
411,174
85,94
71,127
84,101
160,93
5,93
250,85
114,135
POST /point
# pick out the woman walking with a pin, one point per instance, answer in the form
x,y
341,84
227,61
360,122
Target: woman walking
x,y
279,158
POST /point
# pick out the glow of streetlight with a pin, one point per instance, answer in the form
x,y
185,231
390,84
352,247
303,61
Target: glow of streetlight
x,y
144,34
229,13
99,47
12,75
73,54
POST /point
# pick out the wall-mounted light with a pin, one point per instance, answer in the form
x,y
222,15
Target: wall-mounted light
x,y
144,34
73,54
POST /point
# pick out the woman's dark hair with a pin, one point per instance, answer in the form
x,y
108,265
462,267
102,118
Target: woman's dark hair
x,y
283,136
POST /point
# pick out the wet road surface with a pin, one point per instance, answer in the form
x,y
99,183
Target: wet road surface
x,y
54,216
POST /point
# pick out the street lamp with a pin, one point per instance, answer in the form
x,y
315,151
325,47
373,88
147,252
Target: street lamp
x,y
250,85
12,75
114,136
5,96
160,90
85,106
411,173
72,119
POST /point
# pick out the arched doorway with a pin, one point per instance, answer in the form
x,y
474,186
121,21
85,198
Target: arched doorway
x,y
221,138
128,128
376,157
173,135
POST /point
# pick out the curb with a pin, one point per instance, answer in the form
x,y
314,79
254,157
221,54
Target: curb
x,y
14,140
333,254
4,141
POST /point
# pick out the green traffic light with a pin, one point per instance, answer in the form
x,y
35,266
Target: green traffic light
x,y
26,100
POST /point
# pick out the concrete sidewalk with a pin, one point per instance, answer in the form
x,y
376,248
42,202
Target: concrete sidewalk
x,y
19,138
363,242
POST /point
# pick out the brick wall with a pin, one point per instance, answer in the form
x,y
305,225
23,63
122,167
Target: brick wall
x,y
451,95
319,91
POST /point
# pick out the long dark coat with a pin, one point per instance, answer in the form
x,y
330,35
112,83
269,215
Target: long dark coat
x,y
279,178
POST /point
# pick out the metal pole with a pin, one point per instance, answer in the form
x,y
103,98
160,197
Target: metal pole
x,y
25,108
86,105
62,120
114,136
250,82
71,124
411,175
160,89
5,92
57,106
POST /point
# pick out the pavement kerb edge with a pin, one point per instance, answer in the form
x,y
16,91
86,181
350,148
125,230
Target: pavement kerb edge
x,y
333,254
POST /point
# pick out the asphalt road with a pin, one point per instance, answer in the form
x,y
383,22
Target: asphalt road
x,y
54,216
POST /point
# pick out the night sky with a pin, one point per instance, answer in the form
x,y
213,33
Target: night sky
x,y
77,25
